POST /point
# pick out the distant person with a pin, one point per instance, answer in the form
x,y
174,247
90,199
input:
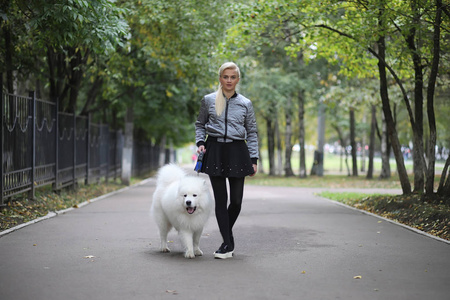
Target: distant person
x,y
226,132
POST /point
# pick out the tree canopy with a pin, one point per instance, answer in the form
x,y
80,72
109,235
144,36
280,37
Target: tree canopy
x,y
158,58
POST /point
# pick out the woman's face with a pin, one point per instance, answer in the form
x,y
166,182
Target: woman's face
x,y
229,80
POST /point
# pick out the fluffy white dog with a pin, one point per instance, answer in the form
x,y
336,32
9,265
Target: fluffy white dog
x,y
182,202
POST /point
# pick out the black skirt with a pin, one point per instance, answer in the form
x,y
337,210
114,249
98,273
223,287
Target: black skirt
x,y
226,159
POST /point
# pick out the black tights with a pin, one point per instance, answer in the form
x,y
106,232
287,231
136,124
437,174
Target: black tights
x,y
226,217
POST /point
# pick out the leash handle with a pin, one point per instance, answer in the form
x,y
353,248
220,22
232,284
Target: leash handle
x,y
198,165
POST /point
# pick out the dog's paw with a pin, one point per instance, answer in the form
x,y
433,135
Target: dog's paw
x,y
189,254
165,250
198,252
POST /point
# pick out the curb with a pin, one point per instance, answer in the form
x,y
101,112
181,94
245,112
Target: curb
x,y
389,220
80,205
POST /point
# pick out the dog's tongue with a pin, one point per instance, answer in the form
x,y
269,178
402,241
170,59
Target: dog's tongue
x,y
190,210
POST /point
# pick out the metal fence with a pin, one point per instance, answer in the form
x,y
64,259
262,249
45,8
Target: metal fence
x,y
42,146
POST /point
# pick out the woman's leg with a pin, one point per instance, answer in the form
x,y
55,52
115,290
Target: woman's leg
x,y
219,186
236,195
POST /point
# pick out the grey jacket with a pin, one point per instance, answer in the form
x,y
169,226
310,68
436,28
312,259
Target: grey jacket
x,y
237,122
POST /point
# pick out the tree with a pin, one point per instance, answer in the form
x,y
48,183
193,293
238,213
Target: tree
x,y
255,35
346,29
409,34
73,35
168,64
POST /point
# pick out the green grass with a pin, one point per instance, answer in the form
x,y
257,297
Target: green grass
x,y
411,210
329,181
333,164
21,209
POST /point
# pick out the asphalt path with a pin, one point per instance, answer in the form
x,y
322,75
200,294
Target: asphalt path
x,y
290,244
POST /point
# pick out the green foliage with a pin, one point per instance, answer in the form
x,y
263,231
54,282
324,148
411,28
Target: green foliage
x,y
96,24
167,65
161,56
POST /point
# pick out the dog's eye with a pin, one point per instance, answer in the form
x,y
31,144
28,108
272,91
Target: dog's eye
x,y
195,195
184,196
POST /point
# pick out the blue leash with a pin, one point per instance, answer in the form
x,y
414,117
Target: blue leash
x,y
198,165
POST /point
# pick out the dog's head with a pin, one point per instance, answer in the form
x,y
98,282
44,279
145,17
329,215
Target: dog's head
x,y
190,203
194,194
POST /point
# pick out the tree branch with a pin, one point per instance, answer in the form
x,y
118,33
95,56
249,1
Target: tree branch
x,y
391,70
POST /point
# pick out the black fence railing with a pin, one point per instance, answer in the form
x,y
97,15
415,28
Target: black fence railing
x,y
42,146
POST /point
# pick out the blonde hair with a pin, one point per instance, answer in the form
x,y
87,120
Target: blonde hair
x,y
220,99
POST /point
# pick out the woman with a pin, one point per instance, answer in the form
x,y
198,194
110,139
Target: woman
x,y
226,132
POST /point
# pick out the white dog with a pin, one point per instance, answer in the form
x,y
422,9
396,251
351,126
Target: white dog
x,y
181,202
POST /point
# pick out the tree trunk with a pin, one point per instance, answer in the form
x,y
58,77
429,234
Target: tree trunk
x,y
385,150
51,63
343,146
317,168
417,122
372,141
172,153
57,70
393,137
363,146
127,153
279,165
271,146
162,151
8,57
260,159
301,134
444,183
287,141
353,143
92,95
430,101
76,75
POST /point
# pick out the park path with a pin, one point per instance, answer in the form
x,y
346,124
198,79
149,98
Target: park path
x,y
290,244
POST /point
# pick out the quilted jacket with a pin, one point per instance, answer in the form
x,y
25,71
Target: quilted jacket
x,y
237,122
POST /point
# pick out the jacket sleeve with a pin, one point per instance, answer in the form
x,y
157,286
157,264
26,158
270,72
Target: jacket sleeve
x,y
202,119
252,133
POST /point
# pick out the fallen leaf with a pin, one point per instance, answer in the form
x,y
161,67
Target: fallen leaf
x,y
171,292
357,277
303,272
89,256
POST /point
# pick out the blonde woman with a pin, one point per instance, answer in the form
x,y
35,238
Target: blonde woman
x,y
226,132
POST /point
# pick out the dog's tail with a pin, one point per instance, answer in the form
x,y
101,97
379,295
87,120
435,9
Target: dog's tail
x,y
168,174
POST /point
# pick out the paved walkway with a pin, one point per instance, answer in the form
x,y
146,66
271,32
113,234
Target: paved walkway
x,y
290,244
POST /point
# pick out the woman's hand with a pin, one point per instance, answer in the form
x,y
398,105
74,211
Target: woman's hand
x,y
201,149
255,168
